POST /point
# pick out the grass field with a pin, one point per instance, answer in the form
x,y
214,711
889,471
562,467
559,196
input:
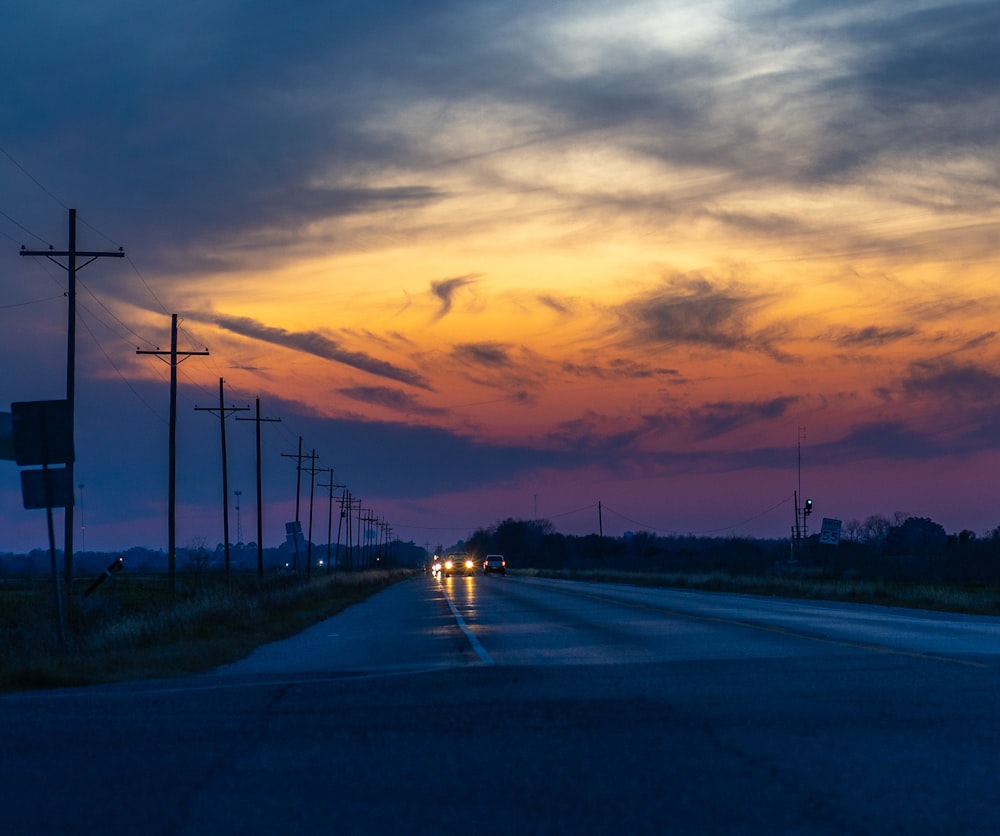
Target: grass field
x,y
134,628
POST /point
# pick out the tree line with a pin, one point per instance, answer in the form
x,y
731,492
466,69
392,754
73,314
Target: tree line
x,y
900,547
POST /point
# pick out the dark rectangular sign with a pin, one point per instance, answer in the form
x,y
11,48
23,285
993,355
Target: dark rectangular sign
x,y
43,432
50,488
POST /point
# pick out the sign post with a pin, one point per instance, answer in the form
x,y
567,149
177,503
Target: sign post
x,y
829,535
42,434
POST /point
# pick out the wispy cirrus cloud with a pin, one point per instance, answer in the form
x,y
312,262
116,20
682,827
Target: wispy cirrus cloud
x,y
692,310
445,290
716,419
390,398
952,382
490,354
320,345
872,336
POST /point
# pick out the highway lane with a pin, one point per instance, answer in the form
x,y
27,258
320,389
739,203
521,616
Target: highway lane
x,y
514,705
609,623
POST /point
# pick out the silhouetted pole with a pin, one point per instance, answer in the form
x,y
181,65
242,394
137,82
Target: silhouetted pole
x,y
312,493
223,413
260,502
298,489
172,486
340,522
70,254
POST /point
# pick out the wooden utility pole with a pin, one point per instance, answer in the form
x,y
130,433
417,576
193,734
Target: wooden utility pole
x,y
223,412
260,503
312,493
329,525
173,354
71,254
298,492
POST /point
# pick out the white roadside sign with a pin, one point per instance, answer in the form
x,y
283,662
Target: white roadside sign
x,y
830,532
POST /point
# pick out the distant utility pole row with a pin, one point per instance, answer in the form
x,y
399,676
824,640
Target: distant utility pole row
x,y
366,542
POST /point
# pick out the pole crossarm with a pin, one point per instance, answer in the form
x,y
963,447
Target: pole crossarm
x,y
90,255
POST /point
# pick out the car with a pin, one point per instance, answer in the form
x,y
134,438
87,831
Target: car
x,y
495,563
459,564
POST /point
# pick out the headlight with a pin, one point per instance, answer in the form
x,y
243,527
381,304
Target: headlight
x,y
468,564
448,564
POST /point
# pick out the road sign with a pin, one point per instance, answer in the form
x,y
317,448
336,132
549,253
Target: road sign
x,y
43,432
830,532
48,488
7,436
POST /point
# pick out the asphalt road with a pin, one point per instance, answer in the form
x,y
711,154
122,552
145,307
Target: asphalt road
x,y
511,705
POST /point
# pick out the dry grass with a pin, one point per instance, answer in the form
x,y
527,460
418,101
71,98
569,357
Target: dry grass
x,y
134,628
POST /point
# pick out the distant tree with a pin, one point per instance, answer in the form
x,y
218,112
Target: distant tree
x,y
853,531
916,536
198,556
874,530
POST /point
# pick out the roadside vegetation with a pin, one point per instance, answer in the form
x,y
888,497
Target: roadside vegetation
x,y
972,600
134,628
900,561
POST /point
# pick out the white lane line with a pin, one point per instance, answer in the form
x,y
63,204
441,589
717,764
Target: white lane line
x,y
476,645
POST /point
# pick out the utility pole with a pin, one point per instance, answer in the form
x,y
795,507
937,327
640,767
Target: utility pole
x,y
600,520
239,527
340,522
312,493
260,504
71,254
172,482
223,412
329,524
83,526
298,490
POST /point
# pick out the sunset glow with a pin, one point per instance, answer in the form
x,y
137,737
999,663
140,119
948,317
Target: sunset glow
x,y
488,257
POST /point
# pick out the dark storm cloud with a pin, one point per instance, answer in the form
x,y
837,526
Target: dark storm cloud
x,y
393,399
445,290
320,345
696,312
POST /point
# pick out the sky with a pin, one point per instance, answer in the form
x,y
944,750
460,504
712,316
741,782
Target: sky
x,y
653,266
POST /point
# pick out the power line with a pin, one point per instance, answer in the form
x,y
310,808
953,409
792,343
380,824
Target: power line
x,y
33,302
31,177
702,531
23,228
